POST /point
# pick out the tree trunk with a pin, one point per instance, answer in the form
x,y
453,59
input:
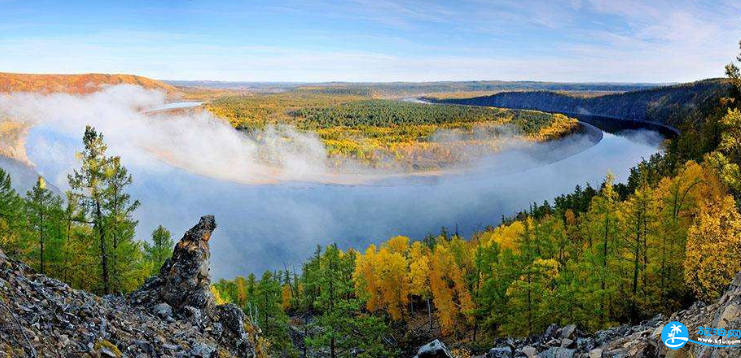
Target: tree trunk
x,y
103,249
429,312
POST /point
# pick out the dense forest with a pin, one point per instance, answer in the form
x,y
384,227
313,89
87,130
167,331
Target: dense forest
x,y
390,133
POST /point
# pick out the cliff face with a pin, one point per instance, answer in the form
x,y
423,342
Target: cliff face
x,y
173,315
671,105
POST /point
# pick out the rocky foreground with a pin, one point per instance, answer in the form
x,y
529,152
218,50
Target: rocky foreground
x,y
172,315
641,341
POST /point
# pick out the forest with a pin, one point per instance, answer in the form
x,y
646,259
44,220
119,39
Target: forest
x,y
389,133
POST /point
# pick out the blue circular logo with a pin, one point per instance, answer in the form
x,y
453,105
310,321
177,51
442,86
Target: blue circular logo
x,y
675,335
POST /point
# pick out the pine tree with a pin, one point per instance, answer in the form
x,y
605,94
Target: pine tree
x,y
44,215
11,213
160,249
99,187
343,326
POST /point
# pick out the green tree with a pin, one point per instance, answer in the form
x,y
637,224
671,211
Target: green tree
x,y
344,326
44,217
99,188
160,249
11,212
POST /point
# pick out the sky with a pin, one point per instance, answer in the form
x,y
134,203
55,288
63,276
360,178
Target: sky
x,y
374,40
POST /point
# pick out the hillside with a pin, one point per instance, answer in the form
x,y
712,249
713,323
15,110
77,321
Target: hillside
x,y
74,84
670,105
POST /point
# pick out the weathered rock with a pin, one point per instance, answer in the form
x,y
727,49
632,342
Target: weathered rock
x,y
162,310
434,349
202,350
529,351
568,332
567,343
551,331
500,352
557,352
184,278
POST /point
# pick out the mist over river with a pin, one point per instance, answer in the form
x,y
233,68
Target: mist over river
x,y
272,226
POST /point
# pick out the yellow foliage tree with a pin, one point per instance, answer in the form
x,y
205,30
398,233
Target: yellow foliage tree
x,y
713,248
286,296
442,294
366,284
391,272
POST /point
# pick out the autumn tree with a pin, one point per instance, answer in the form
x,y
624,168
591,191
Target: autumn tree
x,y
637,219
713,249
527,296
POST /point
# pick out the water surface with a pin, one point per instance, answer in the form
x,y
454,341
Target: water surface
x,y
276,226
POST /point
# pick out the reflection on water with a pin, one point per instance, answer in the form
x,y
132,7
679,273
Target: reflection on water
x,y
272,226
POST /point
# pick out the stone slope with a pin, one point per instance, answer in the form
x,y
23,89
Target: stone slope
x,y
43,317
639,341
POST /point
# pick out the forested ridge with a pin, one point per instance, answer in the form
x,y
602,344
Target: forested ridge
x,y
677,105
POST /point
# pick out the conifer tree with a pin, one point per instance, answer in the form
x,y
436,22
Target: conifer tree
x,y
160,249
11,213
44,216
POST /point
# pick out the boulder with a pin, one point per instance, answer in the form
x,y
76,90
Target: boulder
x,y
162,310
529,351
568,332
557,352
434,349
551,331
499,352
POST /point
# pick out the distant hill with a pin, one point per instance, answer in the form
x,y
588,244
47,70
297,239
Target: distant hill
x,y
673,105
415,88
74,84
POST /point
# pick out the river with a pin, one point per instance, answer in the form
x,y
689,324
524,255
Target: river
x,y
276,226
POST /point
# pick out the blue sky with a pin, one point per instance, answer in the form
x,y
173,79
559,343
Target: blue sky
x,y
374,40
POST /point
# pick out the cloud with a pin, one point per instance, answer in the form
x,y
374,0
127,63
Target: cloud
x,y
394,40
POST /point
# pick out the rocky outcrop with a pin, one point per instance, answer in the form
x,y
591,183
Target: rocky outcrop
x,y
184,279
43,317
